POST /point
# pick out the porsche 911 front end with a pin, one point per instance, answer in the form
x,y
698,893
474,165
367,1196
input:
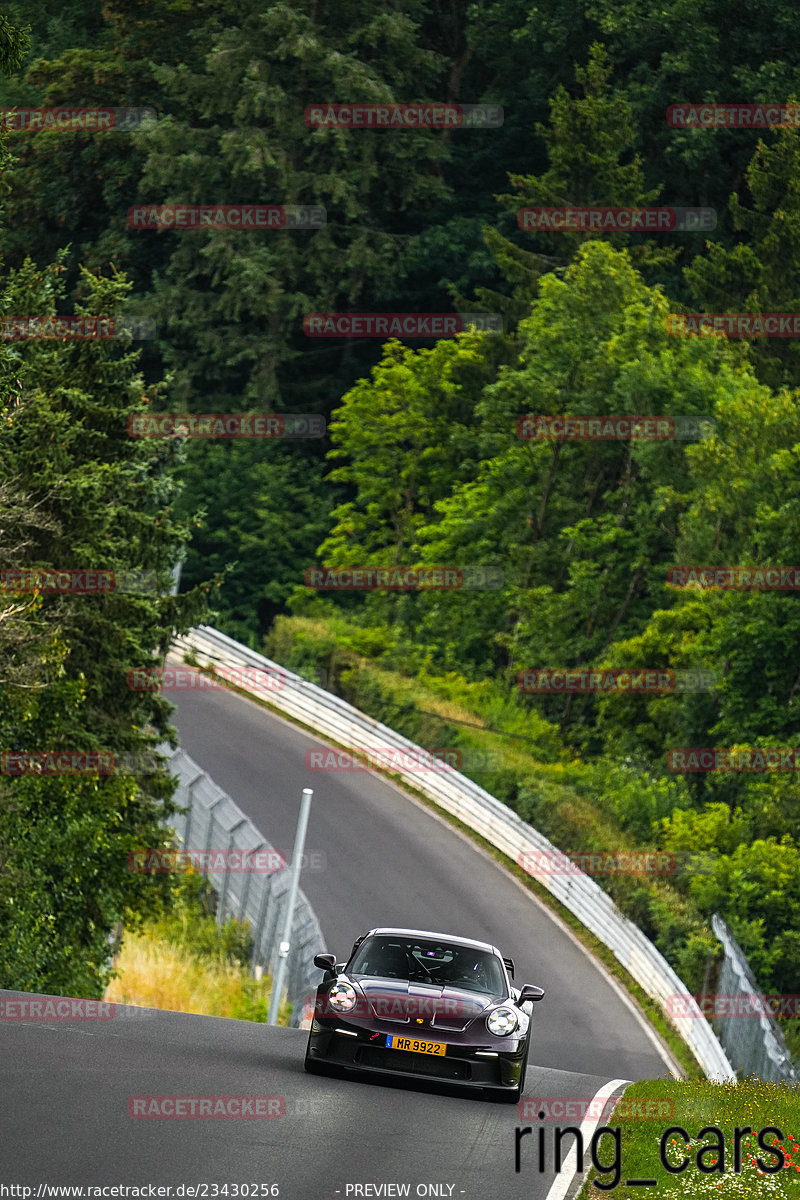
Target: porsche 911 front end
x,y
424,1005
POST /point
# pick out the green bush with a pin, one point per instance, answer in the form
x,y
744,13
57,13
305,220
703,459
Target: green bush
x,y
191,923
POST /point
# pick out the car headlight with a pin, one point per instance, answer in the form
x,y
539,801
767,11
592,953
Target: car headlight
x,y
342,997
502,1021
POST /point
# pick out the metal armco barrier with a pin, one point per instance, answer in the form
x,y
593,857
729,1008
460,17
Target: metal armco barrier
x,y
755,1044
334,718
214,822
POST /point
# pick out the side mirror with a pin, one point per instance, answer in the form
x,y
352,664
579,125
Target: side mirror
x,y
326,963
529,991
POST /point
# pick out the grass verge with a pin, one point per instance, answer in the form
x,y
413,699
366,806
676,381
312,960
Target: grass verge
x,y
643,1146
185,962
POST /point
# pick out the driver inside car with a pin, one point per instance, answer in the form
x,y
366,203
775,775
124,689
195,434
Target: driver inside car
x,y
391,962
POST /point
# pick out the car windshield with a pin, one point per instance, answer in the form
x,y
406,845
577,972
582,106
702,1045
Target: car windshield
x,y
422,961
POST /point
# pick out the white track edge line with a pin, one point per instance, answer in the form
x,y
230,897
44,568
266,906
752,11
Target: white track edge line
x,y
563,1181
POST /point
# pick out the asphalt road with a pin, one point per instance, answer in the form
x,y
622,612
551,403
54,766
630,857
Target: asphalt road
x,y
390,861
67,1092
72,1091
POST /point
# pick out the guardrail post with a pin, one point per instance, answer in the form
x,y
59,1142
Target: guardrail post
x,y
247,878
266,886
190,806
209,843
227,872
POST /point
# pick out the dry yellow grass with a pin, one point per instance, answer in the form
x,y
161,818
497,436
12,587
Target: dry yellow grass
x,y
158,974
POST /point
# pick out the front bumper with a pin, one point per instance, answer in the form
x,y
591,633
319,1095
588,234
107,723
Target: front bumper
x,y
461,1064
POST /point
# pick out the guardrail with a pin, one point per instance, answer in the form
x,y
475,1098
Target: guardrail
x,y
334,718
755,1043
214,822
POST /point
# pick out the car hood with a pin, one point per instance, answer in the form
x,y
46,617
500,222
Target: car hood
x,y
424,1005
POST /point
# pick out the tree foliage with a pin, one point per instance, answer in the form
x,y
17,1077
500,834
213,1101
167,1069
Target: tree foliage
x,y
424,464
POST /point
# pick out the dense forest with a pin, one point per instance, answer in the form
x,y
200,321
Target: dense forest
x,y
422,463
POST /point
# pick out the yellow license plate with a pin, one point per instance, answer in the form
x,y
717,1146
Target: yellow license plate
x,y
395,1042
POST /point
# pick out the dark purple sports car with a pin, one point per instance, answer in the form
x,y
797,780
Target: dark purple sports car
x,y
427,1005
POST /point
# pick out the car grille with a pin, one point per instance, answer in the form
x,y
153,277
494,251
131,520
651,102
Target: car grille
x,y
420,1064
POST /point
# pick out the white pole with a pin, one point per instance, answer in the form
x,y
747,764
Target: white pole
x,y
283,950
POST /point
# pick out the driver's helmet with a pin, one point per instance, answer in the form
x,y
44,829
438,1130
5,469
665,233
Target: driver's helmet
x,y
469,967
392,961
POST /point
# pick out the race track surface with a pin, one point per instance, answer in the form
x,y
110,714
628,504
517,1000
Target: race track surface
x,y
67,1086
390,861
